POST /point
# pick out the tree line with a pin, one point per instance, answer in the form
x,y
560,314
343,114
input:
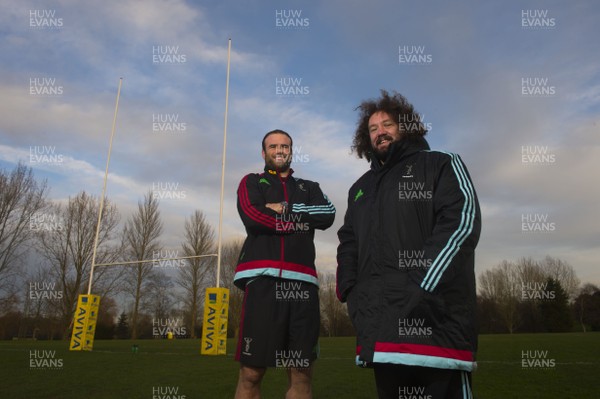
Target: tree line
x,y
536,296
46,251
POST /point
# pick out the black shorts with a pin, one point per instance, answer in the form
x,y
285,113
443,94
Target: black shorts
x,y
280,323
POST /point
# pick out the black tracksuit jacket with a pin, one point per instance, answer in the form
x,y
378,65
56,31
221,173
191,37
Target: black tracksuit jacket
x,y
280,245
406,259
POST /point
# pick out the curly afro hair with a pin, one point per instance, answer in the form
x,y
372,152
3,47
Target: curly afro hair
x,y
398,108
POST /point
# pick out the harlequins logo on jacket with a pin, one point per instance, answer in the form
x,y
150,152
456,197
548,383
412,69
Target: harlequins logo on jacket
x,y
263,180
408,171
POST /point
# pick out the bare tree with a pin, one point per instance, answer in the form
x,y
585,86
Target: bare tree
x,y
531,279
529,271
333,312
515,289
21,198
9,300
586,306
66,241
38,303
563,272
199,240
161,302
502,285
230,254
141,234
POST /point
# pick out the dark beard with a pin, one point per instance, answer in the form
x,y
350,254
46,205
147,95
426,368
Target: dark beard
x,y
382,155
283,168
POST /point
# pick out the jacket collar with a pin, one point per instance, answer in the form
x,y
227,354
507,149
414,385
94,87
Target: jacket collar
x,y
399,150
274,173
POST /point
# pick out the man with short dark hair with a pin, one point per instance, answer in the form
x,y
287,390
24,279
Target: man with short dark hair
x,y
280,319
406,257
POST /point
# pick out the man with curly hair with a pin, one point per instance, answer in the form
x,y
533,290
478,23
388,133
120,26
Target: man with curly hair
x,y
406,257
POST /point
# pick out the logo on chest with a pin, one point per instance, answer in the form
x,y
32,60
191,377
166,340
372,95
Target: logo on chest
x,y
408,171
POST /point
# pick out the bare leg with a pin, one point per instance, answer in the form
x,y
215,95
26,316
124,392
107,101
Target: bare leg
x,y
249,380
299,383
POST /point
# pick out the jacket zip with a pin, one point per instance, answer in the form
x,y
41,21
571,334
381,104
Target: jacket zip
x,y
282,239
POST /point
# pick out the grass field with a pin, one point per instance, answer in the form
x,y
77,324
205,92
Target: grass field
x,y
569,369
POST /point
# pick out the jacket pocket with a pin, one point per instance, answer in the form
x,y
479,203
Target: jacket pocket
x,y
399,297
400,294
351,303
363,301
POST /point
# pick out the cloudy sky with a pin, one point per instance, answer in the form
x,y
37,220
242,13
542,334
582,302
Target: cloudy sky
x,y
513,87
